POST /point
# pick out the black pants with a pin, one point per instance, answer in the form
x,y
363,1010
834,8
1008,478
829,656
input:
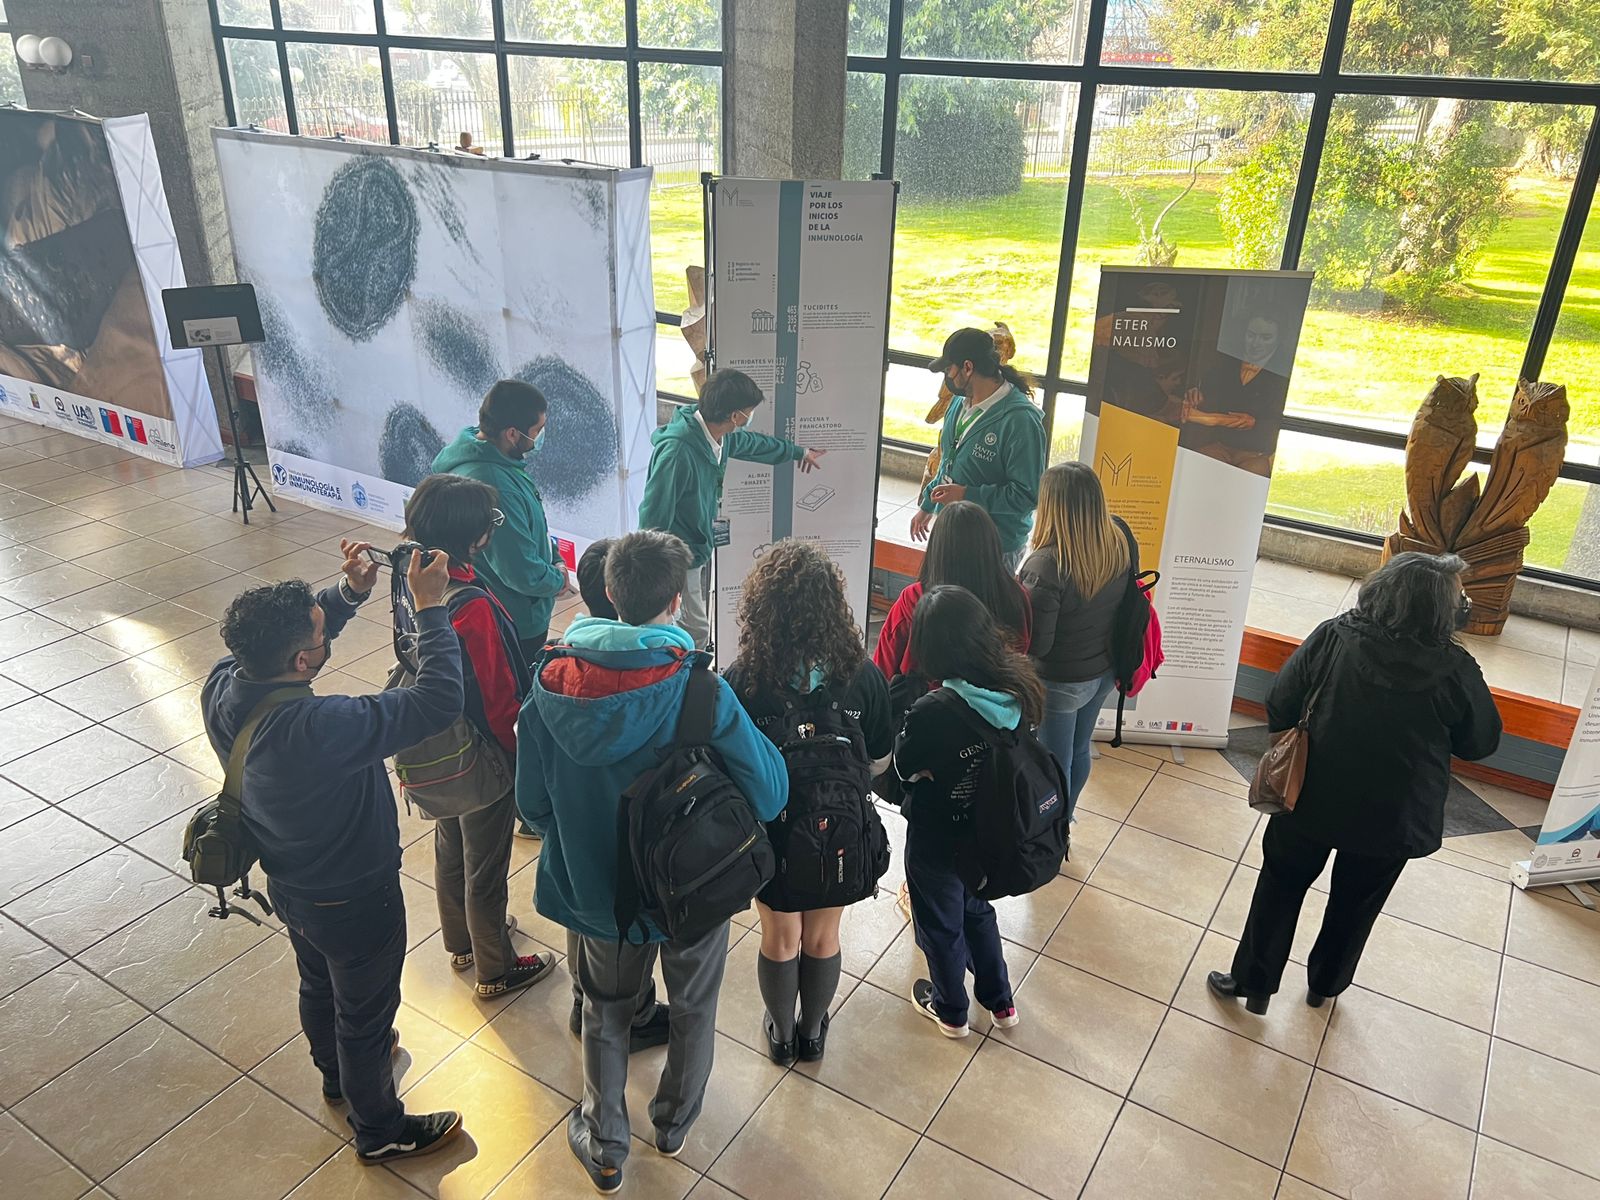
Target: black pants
x,y
350,954
956,931
1291,864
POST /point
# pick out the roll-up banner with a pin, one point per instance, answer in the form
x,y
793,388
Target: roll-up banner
x,y
396,286
1568,849
88,247
1187,382
799,300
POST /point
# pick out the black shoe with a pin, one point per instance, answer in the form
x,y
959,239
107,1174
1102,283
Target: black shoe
x,y
333,1094
780,1052
653,1032
603,1183
525,972
1228,988
811,1048
575,1021
422,1135
1315,999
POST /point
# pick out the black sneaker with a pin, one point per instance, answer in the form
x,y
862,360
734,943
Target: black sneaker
x,y
423,1134
525,972
577,1141
653,1032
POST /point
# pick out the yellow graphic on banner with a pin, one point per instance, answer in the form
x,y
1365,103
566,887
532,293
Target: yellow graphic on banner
x,y
1134,458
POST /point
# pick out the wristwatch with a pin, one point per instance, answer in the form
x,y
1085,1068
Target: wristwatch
x,y
350,595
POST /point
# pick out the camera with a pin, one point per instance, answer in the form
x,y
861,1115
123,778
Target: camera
x,y
399,559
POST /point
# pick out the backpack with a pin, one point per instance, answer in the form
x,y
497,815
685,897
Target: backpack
x,y
1018,834
1135,634
690,851
216,845
462,768
830,843
904,691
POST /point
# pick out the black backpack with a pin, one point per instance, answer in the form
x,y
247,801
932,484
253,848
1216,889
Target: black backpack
x,y
830,842
690,850
1128,627
1016,837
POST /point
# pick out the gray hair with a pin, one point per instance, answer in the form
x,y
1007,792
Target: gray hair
x,y
1414,595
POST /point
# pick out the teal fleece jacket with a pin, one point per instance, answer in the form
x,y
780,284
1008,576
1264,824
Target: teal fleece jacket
x,y
596,720
518,564
999,462
683,490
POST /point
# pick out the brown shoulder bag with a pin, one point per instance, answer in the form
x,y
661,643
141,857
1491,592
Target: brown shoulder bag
x,y
1282,770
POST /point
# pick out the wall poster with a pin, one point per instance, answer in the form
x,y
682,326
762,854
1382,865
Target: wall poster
x,y
1568,849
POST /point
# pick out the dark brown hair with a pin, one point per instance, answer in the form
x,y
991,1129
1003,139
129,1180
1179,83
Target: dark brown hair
x,y
644,571
793,616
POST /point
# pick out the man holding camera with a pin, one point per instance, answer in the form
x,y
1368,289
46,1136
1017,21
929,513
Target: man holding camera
x,y
317,805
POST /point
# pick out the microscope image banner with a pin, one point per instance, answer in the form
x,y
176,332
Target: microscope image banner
x,y
799,291
1568,848
396,286
1187,383
88,245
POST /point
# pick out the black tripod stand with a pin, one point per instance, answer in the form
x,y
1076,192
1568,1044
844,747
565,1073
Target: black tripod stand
x,y
245,484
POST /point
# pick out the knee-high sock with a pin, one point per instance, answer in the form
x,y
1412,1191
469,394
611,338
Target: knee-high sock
x,y
780,987
819,980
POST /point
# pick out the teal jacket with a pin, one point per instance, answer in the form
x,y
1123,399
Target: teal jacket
x,y
999,462
683,490
518,564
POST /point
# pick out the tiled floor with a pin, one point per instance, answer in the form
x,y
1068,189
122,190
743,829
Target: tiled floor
x,y
148,1051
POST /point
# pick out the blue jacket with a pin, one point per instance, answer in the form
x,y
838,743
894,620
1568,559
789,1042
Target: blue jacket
x,y
593,723
316,793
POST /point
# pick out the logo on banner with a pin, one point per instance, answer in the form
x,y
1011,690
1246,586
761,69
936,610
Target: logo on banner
x,y
61,408
1173,726
5,396
358,494
280,474
301,482
84,415
110,422
33,398
1118,471
135,429
731,197
1188,727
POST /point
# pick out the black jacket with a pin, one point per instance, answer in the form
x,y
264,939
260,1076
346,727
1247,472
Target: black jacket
x,y
1392,713
1071,635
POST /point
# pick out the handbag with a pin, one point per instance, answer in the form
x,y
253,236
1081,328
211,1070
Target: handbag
x,y
1281,773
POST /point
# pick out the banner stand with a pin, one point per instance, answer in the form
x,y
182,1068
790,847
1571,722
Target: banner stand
x,y
1568,848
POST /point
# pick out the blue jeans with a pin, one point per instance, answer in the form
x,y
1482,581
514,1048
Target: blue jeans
x,y
956,931
1070,710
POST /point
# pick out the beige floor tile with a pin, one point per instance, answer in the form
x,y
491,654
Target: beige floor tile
x,y
422,911
710,1189
1231,784
75,910
903,964
110,502
1479,866
551,1173
1440,1070
153,518
1289,615
741,1080
52,583
246,1140
23,957
532,1034
1289,1026
1452,901
1052,1157
1430,970
185,574
867,930
1195,815
34,723
29,1167
167,951
1030,920
247,1009
1298,1189
60,662
192,655
1091,834
1227,1087
1552,1013
77,762
1544,1106
42,846
213,598
884,1054
934,1172
41,526
1148,1157
1502,1172
165,722
1114,787
17,561
1520,809
1561,937
430,986
247,550
116,689
1234,910
141,797
1289,579
97,605
865,1150
53,1022
134,555
1358,1144
193,537
150,627
1164,874
24,631
344,1178
304,563
503,1113
1126,943
1075,1021
74,535
125,1095
16,804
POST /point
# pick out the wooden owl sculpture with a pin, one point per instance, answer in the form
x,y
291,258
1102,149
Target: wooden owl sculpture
x,y
693,327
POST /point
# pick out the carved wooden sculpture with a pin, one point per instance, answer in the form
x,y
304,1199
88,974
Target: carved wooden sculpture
x,y
1003,342
694,325
1447,513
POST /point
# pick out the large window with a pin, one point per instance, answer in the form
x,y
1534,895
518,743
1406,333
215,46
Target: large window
x,y
1435,165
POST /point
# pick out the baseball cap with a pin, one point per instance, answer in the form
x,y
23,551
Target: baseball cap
x,y
964,345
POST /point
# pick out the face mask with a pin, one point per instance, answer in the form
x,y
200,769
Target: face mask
x,y
538,442
956,389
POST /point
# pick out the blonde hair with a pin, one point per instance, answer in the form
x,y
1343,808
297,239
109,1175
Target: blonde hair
x,y
1073,521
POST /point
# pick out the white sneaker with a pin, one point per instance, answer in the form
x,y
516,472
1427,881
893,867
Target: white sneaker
x,y
922,996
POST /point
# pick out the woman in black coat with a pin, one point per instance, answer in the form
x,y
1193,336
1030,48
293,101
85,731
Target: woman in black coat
x,y
1399,697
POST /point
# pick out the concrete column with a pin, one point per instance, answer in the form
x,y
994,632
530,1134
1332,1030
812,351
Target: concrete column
x,y
783,88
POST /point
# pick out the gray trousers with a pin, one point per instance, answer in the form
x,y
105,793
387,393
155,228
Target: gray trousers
x,y
611,975
471,856
646,1007
696,619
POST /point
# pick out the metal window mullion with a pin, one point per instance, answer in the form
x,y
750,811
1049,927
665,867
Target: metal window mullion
x,y
290,119
891,87
220,44
1568,243
502,77
380,25
1327,86
630,10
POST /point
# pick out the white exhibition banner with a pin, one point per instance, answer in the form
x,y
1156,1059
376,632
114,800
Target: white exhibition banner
x,y
798,291
1187,383
396,286
88,247
1568,849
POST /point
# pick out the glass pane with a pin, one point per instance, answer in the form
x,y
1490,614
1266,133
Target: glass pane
x,y
1566,529
681,24
982,164
1068,432
1184,177
1243,35
1574,354
863,125
447,97
570,108
869,27
1346,485
256,13
439,18
1431,232
257,84
10,73
1494,39
680,110
338,89
1051,31
674,361
590,23
330,16
909,394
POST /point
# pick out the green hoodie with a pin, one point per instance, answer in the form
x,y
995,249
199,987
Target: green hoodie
x,y
683,490
1000,462
518,564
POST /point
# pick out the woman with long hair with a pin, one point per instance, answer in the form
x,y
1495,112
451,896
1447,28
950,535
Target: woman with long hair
x,y
1392,697
799,645
1076,578
944,762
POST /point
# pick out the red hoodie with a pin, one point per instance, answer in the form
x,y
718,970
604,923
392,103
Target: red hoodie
x,y
486,658
893,652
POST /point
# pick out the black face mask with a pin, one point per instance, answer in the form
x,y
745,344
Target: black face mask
x,y
1463,613
956,389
